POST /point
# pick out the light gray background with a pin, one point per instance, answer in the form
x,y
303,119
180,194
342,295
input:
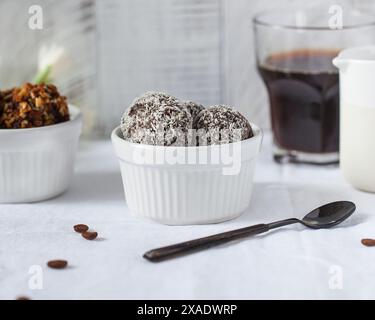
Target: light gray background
x,y
117,49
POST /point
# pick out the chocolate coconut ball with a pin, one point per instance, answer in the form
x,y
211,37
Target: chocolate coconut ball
x,y
193,107
156,118
221,124
32,106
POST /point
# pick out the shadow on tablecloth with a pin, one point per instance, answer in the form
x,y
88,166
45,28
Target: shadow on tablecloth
x,y
90,187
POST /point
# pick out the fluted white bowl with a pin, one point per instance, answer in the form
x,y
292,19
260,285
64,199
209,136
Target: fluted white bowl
x,y
37,163
171,186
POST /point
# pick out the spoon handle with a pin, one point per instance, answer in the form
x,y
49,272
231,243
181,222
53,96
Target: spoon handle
x,y
182,248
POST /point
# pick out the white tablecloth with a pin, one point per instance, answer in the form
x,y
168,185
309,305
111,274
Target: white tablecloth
x,y
292,262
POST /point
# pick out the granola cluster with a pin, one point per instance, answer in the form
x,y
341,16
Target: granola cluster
x,y
32,106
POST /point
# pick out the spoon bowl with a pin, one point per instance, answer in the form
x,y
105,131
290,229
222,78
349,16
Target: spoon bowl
x,y
329,215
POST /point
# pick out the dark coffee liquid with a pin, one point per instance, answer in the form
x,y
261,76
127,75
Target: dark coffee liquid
x,y
303,88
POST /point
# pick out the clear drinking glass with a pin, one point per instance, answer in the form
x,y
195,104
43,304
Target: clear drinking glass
x,y
294,51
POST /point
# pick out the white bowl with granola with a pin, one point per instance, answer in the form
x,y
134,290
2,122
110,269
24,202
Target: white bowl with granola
x,y
182,164
39,134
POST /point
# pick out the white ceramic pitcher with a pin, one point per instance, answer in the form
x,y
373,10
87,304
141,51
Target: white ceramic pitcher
x,y
357,116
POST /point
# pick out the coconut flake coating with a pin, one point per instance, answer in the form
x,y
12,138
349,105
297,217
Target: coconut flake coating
x,y
221,124
156,118
154,98
193,107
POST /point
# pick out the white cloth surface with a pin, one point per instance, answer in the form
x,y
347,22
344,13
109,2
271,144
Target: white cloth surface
x,y
288,263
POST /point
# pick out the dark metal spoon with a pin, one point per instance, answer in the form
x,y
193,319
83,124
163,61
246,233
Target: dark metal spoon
x,y
325,216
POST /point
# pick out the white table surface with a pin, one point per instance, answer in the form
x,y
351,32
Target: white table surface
x,y
292,262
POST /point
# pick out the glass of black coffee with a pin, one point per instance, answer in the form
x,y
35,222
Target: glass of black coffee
x,y
294,51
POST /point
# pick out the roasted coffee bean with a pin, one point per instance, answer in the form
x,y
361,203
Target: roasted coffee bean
x,y
23,298
368,242
89,235
80,228
57,264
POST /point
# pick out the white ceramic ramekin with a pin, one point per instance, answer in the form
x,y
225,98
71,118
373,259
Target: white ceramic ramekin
x,y
175,186
37,164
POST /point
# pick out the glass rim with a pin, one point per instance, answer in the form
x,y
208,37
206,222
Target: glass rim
x,y
258,20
